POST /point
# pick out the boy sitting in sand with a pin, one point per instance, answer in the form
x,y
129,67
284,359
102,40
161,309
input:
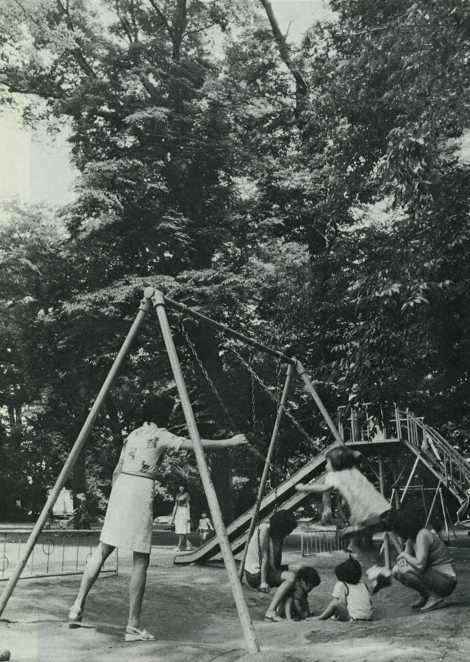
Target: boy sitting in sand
x,y
351,598
294,605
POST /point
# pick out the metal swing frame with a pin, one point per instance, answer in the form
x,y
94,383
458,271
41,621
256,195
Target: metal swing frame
x,y
293,365
155,298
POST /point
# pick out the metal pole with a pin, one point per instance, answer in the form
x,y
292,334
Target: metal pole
x,y
264,476
410,478
381,476
386,543
75,452
386,547
397,422
211,496
444,513
227,330
309,387
428,518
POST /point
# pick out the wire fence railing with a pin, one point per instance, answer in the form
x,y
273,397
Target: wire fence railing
x,y
57,553
317,541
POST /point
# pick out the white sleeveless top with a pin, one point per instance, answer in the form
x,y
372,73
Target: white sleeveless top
x,y
253,555
364,501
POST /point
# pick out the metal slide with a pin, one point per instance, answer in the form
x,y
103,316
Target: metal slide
x,y
284,497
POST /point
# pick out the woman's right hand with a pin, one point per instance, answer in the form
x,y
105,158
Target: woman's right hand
x,y
264,587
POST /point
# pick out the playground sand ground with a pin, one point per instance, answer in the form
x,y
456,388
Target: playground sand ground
x,y
192,613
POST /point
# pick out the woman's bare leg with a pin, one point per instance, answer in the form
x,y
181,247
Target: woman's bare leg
x,y
137,587
288,579
90,574
413,581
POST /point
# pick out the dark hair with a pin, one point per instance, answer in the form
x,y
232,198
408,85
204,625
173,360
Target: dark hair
x,y
349,571
407,522
309,575
343,458
281,524
156,410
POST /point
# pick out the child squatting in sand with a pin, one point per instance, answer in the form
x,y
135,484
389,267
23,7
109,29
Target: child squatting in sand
x,y
294,606
351,598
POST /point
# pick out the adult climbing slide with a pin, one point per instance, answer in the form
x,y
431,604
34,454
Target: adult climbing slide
x,y
285,496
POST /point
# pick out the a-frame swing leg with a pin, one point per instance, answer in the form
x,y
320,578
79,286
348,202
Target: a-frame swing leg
x,y
386,540
309,387
75,452
211,496
264,476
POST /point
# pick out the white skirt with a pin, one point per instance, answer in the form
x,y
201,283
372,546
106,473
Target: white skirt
x,y
129,516
182,521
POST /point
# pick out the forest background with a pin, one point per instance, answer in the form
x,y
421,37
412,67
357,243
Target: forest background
x,y
313,195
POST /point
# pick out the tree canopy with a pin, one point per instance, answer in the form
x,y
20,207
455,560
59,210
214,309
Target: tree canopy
x,y
313,195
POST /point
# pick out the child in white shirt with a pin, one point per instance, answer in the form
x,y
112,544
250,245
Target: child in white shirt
x,y
351,598
204,527
368,508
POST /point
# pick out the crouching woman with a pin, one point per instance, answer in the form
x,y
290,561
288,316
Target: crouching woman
x,y
425,565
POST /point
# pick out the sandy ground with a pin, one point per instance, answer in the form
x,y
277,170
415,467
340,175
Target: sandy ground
x,y
191,611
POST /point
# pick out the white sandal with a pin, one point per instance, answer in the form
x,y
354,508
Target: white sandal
x,y
136,634
75,617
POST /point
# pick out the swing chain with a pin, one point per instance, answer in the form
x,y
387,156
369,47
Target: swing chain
x,y
208,378
253,404
266,388
217,394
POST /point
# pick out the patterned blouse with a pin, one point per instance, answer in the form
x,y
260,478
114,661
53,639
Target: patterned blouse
x,y
143,448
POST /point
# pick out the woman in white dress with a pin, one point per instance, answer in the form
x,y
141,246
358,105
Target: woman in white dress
x,y
181,518
129,515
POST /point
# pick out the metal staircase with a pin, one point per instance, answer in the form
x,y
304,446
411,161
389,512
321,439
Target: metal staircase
x,y
430,447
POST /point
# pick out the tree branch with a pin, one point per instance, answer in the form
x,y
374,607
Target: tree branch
x,y
162,17
77,52
180,23
125,26
22,7
284,51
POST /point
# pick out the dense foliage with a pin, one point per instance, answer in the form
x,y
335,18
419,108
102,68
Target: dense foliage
x,y
313,196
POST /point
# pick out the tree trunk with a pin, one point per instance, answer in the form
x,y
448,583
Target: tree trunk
x,y
179,28
207,348
301,88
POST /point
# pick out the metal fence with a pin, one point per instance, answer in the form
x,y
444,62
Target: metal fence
x,y
58,552
316,541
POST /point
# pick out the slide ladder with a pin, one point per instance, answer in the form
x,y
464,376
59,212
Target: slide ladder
x,y
442,459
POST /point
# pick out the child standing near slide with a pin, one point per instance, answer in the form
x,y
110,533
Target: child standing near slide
x,y
369,509
204,527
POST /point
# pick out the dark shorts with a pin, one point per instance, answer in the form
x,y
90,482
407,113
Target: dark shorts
x,y
273,577
437,582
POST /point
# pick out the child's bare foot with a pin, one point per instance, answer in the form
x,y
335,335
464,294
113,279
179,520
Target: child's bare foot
x,y
272,617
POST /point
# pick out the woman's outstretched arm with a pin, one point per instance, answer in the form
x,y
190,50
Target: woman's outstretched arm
x,y
170,440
